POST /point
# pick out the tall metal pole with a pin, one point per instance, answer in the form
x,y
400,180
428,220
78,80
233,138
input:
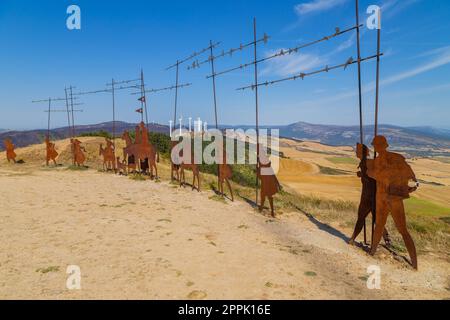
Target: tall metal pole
x,y
145,98
214,83
361,130
257,108
142,102
377,92
114,112
68,120
67,108
48,121
358,45
73,117
176,94
215,106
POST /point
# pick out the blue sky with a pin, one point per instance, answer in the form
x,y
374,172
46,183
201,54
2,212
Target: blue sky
x,y
39,56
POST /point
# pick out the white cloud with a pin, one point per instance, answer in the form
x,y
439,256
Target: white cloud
x,y
422,91
440,59
433,52
387,4
291,64
317,6
390,8
346,44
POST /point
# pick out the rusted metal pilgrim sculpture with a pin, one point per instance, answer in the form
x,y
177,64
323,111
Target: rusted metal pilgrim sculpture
x,y
9,147
368,195
109,156
225,173
189,165
123,167
174,168
269,182
78,156
393,176
141,150
51,153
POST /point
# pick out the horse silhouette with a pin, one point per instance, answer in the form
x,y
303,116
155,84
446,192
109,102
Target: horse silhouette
x,y
109,157
141,152
189,165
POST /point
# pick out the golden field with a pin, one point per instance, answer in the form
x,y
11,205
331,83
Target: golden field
x,y
330,172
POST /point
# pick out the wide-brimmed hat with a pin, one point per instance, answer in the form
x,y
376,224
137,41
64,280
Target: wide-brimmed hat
x,y
380,141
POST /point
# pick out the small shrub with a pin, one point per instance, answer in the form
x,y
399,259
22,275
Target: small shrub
x,y
77,168
100,133
48,269
332,172
217,198
137,177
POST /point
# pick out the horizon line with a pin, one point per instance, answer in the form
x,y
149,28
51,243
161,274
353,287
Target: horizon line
x,y
231,125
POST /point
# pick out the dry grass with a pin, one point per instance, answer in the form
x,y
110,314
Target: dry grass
x,y
443,159
332,171
430,232
343,160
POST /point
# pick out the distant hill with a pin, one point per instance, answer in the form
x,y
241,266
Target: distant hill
x,y
26,138
436,132
414,140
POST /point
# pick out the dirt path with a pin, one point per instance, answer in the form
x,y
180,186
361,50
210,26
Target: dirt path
x,y
149,240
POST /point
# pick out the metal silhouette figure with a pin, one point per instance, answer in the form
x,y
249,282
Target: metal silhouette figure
x,y
141,149
145,167
137,135
51,153
368,195
175,168
125,168
393,176
122,167
225,174
78,152
109,155
189,165
10,153
130,161
144,164
269,182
